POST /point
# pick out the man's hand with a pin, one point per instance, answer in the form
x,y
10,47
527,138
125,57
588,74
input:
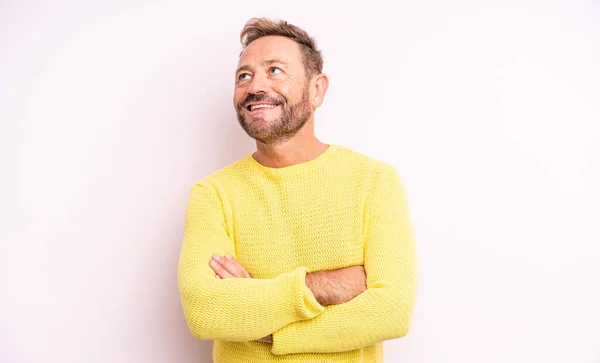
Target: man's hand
x,y
337,286
268,339
227,267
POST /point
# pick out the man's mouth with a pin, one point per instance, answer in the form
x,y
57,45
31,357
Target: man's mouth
x,y
258,106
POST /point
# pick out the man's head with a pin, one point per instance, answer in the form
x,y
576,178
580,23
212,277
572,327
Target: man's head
x,y
279,81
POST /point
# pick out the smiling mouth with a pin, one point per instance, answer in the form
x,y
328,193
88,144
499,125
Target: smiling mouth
x,y
259,106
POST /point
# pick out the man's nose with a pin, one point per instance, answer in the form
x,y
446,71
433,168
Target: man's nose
x,y
258,84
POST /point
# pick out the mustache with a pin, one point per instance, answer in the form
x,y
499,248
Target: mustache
x,y
276,100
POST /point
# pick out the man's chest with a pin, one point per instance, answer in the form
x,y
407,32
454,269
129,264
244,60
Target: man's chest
x,y
277,235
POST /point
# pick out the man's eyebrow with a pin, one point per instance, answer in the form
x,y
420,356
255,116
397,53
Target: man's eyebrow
x,y
275,60
244,67
247,67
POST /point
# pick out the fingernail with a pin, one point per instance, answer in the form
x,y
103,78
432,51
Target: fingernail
x,y
218,277
216,257
213,263
228,256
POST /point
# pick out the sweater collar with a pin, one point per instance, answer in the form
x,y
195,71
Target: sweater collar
x,y
292,169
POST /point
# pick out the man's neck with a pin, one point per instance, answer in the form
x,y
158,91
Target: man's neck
x,y
297,150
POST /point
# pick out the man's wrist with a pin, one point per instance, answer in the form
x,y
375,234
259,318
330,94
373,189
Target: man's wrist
x,y
312,284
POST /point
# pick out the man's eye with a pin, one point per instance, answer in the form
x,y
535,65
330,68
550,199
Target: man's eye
x,y
275,70
243,76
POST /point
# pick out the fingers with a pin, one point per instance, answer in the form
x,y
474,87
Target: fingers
x,y
221,272
228,267
240,271
267,339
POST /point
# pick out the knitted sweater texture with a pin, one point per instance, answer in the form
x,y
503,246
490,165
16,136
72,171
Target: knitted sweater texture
x,y
340,209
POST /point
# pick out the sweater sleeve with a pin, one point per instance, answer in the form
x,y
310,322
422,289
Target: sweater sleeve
x,y
384,311
232,309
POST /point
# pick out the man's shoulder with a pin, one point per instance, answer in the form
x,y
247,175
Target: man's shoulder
x,y
359,161
349,160
225,175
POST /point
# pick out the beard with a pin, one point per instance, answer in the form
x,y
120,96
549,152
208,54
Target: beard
x,y
292,118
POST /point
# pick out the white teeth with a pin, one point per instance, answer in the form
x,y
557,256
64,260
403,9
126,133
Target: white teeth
x,y
262,105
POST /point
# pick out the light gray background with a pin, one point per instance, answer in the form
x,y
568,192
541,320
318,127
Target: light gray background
x,y
489,110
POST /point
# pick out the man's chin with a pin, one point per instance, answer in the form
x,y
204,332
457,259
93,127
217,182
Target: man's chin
x,y
264,116
261,122
256,127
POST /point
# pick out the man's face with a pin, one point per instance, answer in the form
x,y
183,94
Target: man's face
x,y
271,94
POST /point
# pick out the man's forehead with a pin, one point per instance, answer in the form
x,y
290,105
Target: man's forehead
x,y
270,48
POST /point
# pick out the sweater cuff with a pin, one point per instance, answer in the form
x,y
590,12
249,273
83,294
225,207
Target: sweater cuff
x,y
285,341
307,305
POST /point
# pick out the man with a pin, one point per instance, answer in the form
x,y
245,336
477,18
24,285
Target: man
x,y
301,251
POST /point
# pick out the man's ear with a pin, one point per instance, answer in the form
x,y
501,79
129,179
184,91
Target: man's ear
x,y
319,85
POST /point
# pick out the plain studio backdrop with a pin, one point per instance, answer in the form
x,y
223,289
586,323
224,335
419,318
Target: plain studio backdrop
x,y
489,110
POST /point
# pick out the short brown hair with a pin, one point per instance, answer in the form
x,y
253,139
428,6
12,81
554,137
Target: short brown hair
x,y
261,27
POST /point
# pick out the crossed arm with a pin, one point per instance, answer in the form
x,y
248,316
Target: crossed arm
x,y
303,312
329,287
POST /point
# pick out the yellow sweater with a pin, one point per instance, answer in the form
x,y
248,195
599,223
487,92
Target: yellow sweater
x,y
337,210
